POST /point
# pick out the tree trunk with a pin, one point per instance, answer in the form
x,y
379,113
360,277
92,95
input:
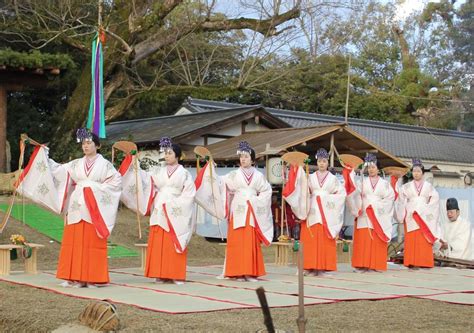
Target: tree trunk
x,y
3,128
407,59
74,117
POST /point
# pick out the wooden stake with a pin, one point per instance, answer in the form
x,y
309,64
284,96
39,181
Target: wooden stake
x,y
301,321
265,309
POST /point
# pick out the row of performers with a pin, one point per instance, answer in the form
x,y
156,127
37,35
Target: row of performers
x,y
88,191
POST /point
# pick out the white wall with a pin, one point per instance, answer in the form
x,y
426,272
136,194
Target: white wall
x,y
449,182
232,130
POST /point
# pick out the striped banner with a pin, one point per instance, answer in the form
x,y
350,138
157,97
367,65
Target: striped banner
x,y
96,117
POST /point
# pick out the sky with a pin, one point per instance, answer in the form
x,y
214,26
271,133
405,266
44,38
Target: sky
x,y
406,7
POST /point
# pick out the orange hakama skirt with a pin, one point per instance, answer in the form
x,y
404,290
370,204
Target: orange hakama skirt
x,y
243,253
162,260
369,251
83,255
418,251
319,251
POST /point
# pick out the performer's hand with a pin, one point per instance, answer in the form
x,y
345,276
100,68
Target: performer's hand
x,y
24,137
444,245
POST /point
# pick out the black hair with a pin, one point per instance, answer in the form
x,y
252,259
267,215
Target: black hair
x,y
96,140
379,166
177,150
423,170
252,154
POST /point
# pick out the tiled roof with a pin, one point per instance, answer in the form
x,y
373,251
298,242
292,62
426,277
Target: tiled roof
x,y
401,140
150,130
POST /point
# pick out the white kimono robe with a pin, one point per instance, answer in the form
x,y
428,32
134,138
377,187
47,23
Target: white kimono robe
x,y
256,197
458,235
169,199
373,206
326,201
420,210
231,196
85,194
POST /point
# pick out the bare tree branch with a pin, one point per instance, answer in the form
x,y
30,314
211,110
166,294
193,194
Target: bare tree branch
x,y
266,27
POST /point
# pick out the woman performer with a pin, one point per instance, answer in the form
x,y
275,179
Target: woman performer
x,y
249,214
418,208
88,191
324,220
168,194
372,205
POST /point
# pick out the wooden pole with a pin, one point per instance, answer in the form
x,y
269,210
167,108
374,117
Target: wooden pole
x,y
331,149
283,211
301,321
3,128
346,115
135,158
267,318
99,14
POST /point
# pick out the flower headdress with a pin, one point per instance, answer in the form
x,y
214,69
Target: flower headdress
x,y
244,147
416,162
83,134
322,153
165,144
370,159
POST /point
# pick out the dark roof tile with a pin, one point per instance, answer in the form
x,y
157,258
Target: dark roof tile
x,y
399,139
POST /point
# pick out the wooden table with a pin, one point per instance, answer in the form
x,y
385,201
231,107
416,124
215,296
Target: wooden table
x,y
282,252
30,263
142,248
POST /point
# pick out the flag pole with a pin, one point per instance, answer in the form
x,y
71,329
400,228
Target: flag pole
x,y
346,113
99,18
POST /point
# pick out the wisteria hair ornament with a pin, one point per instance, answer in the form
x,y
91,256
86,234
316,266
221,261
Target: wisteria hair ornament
x,y
244,147
322,153
83,134
416,162
370,159
165,144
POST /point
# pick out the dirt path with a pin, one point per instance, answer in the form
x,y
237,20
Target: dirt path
x,y
37,310
32,310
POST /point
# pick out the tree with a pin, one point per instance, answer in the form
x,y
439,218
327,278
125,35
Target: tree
x,y
138,31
